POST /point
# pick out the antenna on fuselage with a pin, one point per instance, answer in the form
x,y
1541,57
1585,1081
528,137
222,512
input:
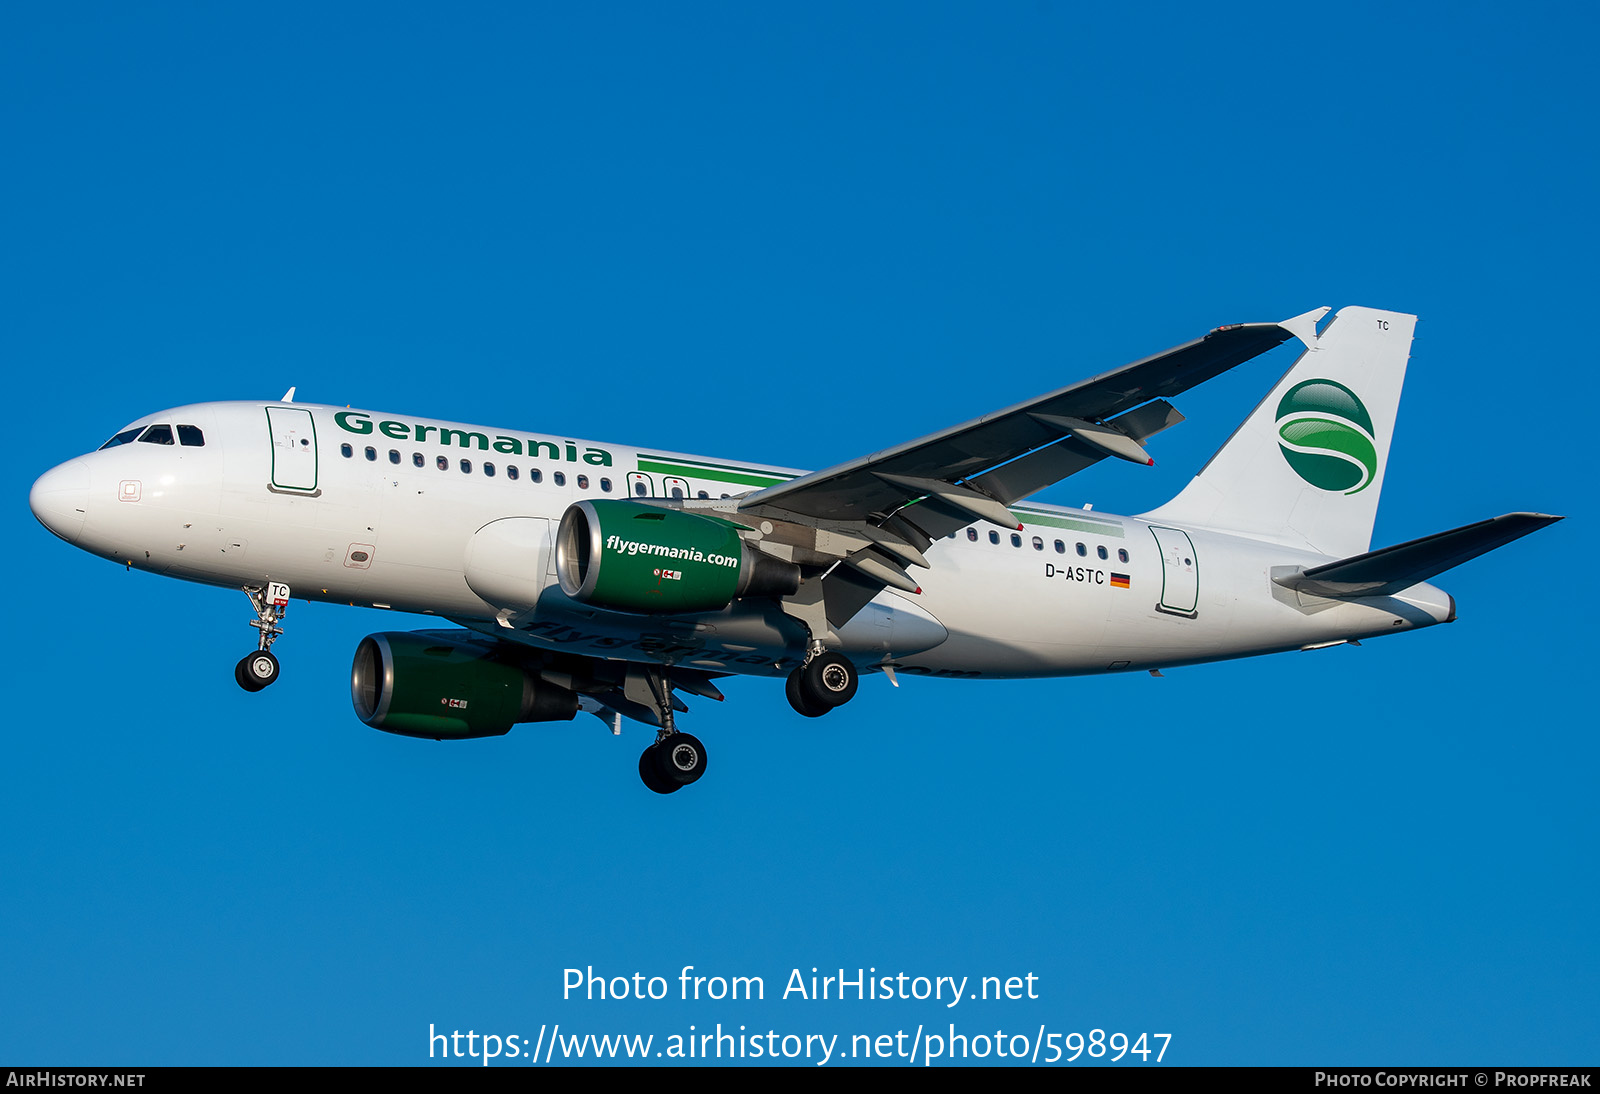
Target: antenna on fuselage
x,y
288,396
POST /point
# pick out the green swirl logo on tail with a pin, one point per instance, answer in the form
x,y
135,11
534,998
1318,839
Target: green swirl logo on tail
x,y
1326,435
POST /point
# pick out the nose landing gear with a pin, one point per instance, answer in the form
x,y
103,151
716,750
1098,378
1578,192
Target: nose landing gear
x,y
255,671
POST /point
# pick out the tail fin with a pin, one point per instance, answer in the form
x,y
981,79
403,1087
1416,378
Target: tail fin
x,y
1306,467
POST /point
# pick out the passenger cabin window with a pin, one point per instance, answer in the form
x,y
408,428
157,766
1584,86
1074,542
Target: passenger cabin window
x,y
442,463
488,469
418,459
190,436
559,478
466,467
994,537
512,472
1122,554
972,534
1038,544
639,488
157,434
605,487
125,437
1016,540
346,451
394,455
372,454
1101,551
1083,552
583,482
535,475
1061,548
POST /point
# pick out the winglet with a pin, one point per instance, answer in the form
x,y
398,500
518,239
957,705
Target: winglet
x,y
288,396
1304,327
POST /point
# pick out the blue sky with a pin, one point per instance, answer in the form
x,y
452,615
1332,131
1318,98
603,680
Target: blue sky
x,y
796,237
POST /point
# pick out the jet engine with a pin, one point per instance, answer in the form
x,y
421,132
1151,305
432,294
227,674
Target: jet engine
x,y
448,686
630,557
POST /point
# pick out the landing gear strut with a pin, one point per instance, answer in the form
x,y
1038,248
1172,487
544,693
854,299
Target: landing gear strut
x,y
255,671
676,759
825,681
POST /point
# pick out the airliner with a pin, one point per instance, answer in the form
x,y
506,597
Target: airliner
x,y
580,576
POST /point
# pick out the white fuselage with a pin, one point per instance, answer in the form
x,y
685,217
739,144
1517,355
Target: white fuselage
x,y
271,495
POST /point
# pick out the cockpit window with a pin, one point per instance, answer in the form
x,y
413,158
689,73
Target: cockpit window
x,y
157,434
125,437
190,436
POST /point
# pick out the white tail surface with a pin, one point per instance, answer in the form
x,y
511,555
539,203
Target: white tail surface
x,y
1306,468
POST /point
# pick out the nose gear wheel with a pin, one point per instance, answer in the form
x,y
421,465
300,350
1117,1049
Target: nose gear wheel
x,y
259,669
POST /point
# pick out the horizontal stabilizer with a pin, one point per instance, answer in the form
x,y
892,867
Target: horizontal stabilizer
x,y
1388,571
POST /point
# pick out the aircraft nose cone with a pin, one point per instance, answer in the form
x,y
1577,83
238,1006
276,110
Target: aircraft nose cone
x,y
60,497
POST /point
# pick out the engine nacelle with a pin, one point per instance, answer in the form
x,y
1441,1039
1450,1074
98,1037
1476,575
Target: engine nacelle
x,y
445,686
630,557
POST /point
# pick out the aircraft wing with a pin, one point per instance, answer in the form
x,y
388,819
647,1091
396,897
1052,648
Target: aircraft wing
x,y
866,488
903,498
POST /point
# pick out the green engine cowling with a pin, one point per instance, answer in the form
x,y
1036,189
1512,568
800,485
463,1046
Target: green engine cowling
x,y
630,557
448,686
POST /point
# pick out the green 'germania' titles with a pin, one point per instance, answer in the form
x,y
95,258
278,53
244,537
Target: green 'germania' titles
x,y
355,421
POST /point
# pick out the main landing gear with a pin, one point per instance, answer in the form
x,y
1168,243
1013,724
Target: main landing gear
x,y
676,759
672,763
255,671
825,681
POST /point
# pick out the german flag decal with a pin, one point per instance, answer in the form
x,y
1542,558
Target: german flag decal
x,y
1119,581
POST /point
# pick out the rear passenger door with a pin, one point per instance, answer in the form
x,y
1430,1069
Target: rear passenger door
x,y
1180,572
